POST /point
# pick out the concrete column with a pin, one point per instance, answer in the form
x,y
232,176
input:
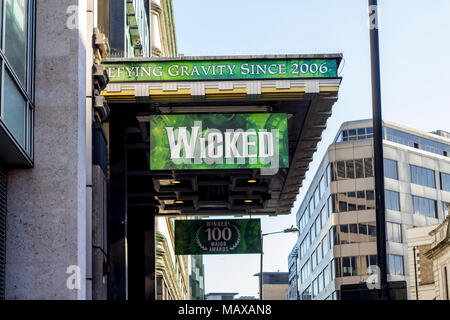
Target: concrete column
x,y
46,219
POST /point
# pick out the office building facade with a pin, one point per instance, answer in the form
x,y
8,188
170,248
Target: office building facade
x,y
337,238
54,173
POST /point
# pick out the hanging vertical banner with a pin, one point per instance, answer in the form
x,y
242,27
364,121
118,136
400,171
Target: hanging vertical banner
x,y
218,141
200,237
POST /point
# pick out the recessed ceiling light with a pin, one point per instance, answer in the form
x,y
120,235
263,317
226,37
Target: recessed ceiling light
x,y
252,181
248,201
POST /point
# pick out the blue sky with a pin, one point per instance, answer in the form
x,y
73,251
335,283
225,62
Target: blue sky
x,y
415,47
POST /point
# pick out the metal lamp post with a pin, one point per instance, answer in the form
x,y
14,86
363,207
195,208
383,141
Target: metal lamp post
x,y
378,148
288,230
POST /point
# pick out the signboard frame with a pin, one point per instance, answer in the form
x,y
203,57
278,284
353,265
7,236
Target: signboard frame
x,y
224,236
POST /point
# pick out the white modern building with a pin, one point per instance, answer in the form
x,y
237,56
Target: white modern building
x,y
337,238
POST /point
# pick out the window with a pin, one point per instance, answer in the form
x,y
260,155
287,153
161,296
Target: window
x,y
307,294
330,206
350,166
355,233
390,169
394,232
424,206
395,264
337,267
312,233
445,209
359,169
322,186
422,176
349,267
340,170
315,287
365,262
311,206
328,172
16,66
16,37
445,181
313,260
317,225
316,197
323,216
392,200
320,282
325,245
303,221
326,276
416,142
352,201
368,167
343,234
15,109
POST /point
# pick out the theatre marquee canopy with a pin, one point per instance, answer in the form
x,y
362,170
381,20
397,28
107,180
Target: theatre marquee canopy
x,y
168,101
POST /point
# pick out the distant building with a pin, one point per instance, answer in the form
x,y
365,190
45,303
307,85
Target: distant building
x,y
420,239
139,28
246,298
220,295
292,292
337,223
197,277
275,285
440,255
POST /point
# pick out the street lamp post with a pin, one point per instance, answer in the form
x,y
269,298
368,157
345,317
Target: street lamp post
x,y
288,230
378,148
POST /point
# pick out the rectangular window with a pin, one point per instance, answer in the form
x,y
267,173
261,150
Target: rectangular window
x,y
316,197
311,206
326,276
368,167
422,176
16,37
349,268
425,206
329,173
330,206
324,216
445,209
351,201
320,282
372,231
317,225
340,168
361,200
337,267
325,245
14,109
394,232
322,186
312,233
343,234
395,264
350,165
390,169
445,181
359,168
392,200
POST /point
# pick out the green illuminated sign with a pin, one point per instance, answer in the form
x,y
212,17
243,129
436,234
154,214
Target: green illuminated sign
x,y
218,141
221,69
200,237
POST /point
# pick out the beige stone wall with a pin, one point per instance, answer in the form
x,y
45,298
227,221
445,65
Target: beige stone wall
x,y
275,291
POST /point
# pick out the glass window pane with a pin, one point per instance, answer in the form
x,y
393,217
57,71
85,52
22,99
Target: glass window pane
x,y
340,167
350,169
359,168
16,36
14,109
368,167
